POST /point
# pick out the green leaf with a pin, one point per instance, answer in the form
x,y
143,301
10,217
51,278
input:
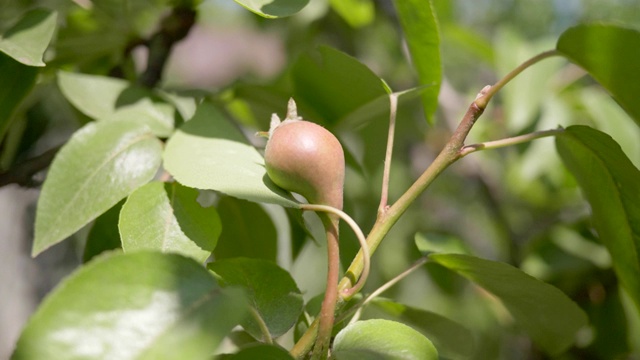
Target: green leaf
x,y
272,292
101,164
610,183
357,13
546,313
144,305
209,152
166,217
452,340
27,40
258,351
104,234
423,38
109,99
610,54
329,85
381,340
95,96
247,231
272,9
17,82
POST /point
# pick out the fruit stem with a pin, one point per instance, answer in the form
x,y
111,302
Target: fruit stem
x,y
327,311
348,293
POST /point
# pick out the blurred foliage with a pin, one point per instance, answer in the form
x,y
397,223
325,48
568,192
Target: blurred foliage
x,y
517,205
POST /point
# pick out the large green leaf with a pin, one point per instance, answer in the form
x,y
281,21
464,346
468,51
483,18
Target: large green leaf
x,y
109,99
547,314
273,8
144,305
167,218
101,164
272,292
27,40
453,340
611,184
17,81
247,231
209,152
423,38
382,340
329,85
610,54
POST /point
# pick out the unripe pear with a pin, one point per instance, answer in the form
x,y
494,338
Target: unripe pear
x,y
305,158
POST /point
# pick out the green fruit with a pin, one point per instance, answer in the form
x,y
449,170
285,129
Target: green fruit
x,y
305,158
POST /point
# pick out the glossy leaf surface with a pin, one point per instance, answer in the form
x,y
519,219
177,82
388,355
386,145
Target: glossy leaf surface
x,y
610,54
145,305
381,340
166,217
271,290
209,152
27,40
247,231
101,164
273,8
543,311
419,24
610,183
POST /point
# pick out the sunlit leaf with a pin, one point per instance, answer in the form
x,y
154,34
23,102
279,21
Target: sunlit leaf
x,y
382,340
610,183
544,312
209,152
610,54
27,40
166,217
273,8
272,292
101,164
357,13
423,38
247,231
144,305
453,340
108,99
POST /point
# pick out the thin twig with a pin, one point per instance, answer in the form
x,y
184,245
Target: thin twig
x,y
496,144
416,265
484,100
384,194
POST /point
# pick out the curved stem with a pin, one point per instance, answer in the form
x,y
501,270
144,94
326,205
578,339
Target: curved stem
x,y
348,293
328,309
482,101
